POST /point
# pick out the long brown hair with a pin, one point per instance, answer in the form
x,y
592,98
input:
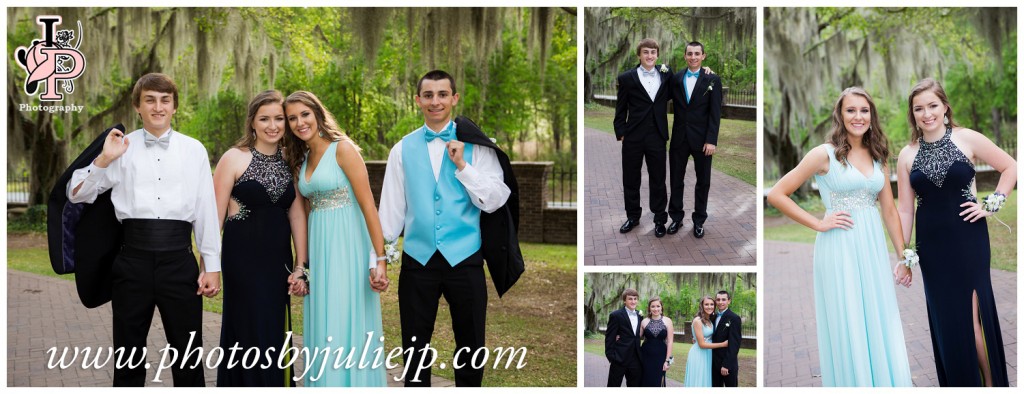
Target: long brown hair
x,y
874,139
927,84
266,97
705,318
327,128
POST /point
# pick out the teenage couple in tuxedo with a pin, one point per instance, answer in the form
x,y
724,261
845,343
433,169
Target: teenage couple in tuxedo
x,y
641,124
623,351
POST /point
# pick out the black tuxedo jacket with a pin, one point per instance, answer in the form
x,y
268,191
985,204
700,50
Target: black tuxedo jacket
x,y
696,123
729,328
499,230
622,351
633,104
84,239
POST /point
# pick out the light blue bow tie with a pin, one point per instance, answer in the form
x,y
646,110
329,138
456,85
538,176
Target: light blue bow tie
x,y
445,135
162,142
651,73
692,73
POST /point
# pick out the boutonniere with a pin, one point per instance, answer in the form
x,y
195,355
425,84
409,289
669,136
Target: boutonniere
x,y
663,69
711,87
640,313
727,324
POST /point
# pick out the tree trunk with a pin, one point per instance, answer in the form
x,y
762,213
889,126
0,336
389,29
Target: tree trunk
x,y
46,160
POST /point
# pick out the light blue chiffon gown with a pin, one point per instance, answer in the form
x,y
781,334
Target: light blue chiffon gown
x,y
860,334
341,308
698,362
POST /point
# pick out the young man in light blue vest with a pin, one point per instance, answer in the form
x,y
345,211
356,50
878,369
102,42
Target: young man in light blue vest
x,y
435,188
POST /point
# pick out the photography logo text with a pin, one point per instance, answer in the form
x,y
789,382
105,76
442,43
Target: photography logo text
x,y
47,60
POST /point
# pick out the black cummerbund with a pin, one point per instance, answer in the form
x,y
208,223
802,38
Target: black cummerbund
x,y
157,235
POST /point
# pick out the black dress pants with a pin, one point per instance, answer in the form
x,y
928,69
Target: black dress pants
x,y
464,287
630,370
144,278
678,156
644,144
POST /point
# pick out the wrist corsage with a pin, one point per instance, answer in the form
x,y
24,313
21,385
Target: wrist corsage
x,y
994,202
670,360
910,258
391,252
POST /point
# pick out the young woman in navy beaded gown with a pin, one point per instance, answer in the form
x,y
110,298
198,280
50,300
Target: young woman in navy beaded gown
x,y
261,218
859,330
936,179
656,330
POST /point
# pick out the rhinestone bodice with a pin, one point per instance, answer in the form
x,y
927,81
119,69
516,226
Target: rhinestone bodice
x,y
655,327
330,199
934,158
270,171
845,188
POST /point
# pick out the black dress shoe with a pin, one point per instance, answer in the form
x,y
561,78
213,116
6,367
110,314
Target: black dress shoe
x,y
628,226
698,230
674,227
659,230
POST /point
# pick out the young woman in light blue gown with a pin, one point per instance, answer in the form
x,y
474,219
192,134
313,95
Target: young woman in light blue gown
x,y
698,360
342,310
860,335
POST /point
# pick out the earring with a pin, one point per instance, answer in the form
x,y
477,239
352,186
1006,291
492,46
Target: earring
x,y
320,133
945,120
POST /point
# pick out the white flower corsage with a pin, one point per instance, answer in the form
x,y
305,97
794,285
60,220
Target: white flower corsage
x,y
910,258
391,252
664,68
994,202
728,323
711,87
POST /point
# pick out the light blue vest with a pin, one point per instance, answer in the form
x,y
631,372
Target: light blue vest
x,y
439,214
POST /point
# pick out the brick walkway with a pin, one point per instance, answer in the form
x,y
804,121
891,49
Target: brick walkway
x,y
730,237
44,312
595,372
791,356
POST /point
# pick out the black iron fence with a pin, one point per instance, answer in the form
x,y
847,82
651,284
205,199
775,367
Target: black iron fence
x,y
562,187
746,97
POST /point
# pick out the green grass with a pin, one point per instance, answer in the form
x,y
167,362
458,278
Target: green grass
x,y
1003,242
747,357
736,149
538,313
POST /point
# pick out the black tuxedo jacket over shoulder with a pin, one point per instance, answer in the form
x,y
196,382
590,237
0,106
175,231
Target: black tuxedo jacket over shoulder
x,y
626,349
696,123
499,230
84,239
633,105
729,328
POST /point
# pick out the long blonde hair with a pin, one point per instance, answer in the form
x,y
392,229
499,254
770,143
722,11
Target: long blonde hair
x,y
327,128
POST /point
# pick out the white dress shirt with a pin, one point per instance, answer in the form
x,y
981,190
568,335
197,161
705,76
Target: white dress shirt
x,y
156,183
651,82
483,180
691,82
634,319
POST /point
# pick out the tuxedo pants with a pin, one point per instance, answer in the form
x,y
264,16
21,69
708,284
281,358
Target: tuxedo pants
x,y
644,144
717,380
631,372
156,269
464,287
678,156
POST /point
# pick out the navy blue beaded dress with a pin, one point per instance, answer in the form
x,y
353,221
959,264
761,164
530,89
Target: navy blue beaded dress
x,y
256,258
954,265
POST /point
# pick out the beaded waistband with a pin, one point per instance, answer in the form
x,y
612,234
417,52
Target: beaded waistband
x,y
855,199
330,199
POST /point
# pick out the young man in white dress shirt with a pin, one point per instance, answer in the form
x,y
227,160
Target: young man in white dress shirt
x,y
162,190
435,188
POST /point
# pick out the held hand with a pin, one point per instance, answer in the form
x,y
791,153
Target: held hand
x,y
664,366
974,211
838,219
725,371
297,286
454,150
209,284
616,338
379,277
904,276
709,149
618,139
113,147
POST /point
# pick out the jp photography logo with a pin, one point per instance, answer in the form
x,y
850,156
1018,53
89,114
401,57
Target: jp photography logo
x,y
52,64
